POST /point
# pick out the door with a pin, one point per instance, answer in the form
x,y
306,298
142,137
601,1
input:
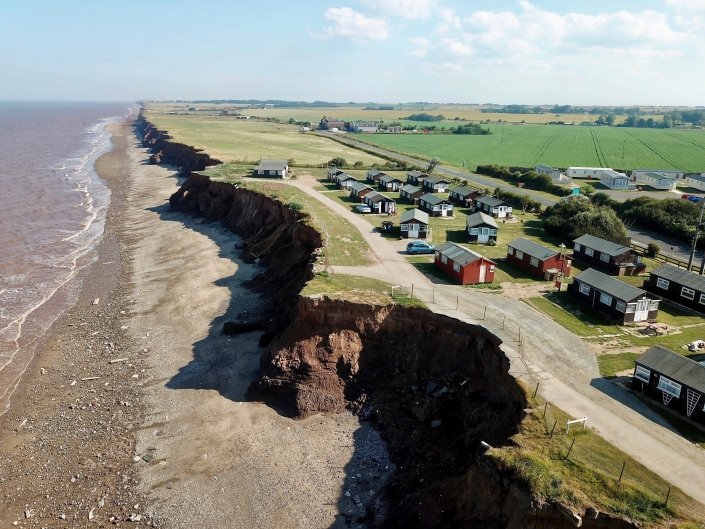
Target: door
x,y
444,210
483,272
413,231
642,310
484,235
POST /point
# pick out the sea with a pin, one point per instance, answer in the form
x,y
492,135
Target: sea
x,y
52,215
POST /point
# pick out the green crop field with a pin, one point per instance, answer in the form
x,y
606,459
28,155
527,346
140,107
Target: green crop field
x,y
557,145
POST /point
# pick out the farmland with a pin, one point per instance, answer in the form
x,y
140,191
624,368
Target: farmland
x,y
557,145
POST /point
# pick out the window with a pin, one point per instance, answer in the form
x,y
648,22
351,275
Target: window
x,y
662,283
510,251
631,308
621,306
456,267
491,268
604,257
404,227
260,171
444,259
605,298
534,261
688,293
493,231
577,247
589,251
584,289
473,231
702,299
653,304
642,373
520,254
668,386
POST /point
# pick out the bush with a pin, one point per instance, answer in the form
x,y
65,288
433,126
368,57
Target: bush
x,y
653,249
295,206
338,162
358,165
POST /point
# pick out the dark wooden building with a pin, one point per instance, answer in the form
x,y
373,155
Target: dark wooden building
x,y
410,193
435,184
679,286
373,176
540,261
345,181
493,206
463,195
415,178
379,203
272,169
481,228
413,224
616,300
612,258
358,190
389,183
436,206
675,380
463,265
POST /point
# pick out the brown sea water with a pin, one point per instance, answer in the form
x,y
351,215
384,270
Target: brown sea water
x,y
52,215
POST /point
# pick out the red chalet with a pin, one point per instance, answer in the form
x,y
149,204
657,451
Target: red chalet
x,y
463,265
538,260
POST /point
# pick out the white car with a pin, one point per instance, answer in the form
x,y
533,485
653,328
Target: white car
x,y
363,208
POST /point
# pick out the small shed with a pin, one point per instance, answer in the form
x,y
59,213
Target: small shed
x,y
271,169
410,193
379,203
540,261
679,286
389,183
616,300
464,265
436,184
463,195
481,228
413,224
415,177
358,190
493,206
675,380
435,205
613,258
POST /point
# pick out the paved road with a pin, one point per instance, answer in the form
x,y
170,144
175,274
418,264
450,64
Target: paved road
x,y
673,248
542,351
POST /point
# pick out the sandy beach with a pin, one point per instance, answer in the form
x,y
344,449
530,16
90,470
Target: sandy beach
x,y
134,412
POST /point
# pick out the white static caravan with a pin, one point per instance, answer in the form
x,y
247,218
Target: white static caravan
x,y
670,173
656,180
555,174
614,180
695,181
591,173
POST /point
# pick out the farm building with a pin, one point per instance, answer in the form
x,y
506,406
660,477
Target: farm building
x,y
333,172
463,265
435,205
389,183
345,181
481,228
675,380
463,195
368,127
591,173
330,124
358,190
394,129
435,184
414,224
696,181
410,193
373,176
614,179
415,177
670,173
379,203
679,286
613,258
616,300
493,206
272,168
555,174
538,260
656,180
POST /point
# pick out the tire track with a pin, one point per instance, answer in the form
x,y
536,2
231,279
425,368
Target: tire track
x,y
544,148
685,140
652,149
600,156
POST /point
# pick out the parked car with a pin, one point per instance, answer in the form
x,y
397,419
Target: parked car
x,y
415,247
363,208
692,198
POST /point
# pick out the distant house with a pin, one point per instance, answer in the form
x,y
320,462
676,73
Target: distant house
x,y
591,173
656,180
670,173
345,181
358,190
463,196
463,265
675,380
413,224
394,129
696,181
368,127
493,206
679,286
379,203
415,177
330,124
389,183
272,168
435,184
435,205
373,176
616,300
410,193
537,260
555,174
333,172
614,180
615,259
481,228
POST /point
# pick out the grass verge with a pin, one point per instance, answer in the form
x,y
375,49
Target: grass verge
x,y
358,289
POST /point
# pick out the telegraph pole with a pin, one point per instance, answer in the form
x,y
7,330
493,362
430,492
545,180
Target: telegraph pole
x,y
698,227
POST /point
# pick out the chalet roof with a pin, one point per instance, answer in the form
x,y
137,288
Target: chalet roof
x,y
479,218
432,199
681,276
658,175
610,285
272,165
697,178
533,249
601,245
375,172
416,174
359,186
334,171
458,254
374,196
414,214
613,174
491,201
385,178
674,366
436,180
345,176
545,168
410,189
463,191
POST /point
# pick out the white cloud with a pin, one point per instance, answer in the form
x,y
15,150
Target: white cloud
x,y
456,48
350,24
687,5
421,47
410,9
449,21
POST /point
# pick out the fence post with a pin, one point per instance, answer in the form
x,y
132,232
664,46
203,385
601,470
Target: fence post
x,y
503,318
412,291
553,429
668,495
434,296
484,314
624,464
570,449
519,336
535,392
457,301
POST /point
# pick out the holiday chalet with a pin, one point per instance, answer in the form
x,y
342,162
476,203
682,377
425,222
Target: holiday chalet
x,y
463,265
537,260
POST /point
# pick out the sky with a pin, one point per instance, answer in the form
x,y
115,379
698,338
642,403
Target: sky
x,y
585,52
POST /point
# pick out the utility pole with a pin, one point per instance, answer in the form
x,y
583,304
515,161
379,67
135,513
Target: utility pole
x,y
698,227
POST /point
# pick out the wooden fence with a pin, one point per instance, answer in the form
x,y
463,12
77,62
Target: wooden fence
x,y
665,257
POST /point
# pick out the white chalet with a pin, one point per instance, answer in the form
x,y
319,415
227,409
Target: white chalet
x,y
614,180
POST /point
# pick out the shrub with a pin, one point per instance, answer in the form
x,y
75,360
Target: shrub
x,y
653,249
295,206
338,162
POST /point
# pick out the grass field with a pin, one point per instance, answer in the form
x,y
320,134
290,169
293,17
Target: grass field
x,y
557,145
229,140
